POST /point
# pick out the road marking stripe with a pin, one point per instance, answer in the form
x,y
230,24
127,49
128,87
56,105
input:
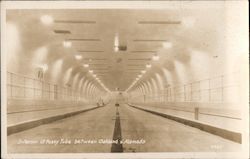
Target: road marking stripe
x,y
117,135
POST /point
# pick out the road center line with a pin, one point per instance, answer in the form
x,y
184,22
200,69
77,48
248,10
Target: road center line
x,y
117,135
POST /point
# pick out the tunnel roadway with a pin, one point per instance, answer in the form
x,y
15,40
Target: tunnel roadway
x,y
100,129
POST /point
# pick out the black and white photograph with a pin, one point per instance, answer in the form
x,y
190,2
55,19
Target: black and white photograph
x,y
124,79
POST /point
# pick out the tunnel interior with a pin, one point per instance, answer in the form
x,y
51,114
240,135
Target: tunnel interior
x,y
123,65
75,50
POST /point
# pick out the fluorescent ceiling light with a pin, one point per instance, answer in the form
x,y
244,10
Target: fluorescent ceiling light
x,y
94,75
91,71
85,65
148,65
156,57
46,19
116,43
78,57
167,45
143,71
116,48
67,44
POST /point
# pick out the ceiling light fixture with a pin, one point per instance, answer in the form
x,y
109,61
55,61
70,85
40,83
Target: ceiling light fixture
x,y
85,65
148,65
94,75
167,45
143,71
78,57
156,57
116,48
67,44
116,43
46,19
139,76
91,71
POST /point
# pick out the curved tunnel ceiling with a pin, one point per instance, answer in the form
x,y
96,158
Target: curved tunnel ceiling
x,y
70,43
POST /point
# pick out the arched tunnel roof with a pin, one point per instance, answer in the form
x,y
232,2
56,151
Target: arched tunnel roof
x,y
119,48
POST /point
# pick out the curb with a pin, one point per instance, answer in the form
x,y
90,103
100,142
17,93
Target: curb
x,y
31,124
227,134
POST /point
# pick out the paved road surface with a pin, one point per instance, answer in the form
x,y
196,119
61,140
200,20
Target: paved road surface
x,y
147,133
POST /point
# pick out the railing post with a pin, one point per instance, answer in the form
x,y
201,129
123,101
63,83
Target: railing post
x,y
209,90
24,87
34,89
174,94
49,91
222,89
11,85
42,89
184,93
200,91
166,95
169,95
191,91
55,92
196,113
171,98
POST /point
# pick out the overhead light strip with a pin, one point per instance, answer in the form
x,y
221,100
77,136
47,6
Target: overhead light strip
x,y
83,39
159,22
98,64
94,59
149,40
143,51
62,32
135,65
147,59
138,61
99,69
75,21
101,72
131,72
134,69
89,51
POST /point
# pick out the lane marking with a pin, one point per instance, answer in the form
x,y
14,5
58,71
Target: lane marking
x,y
117,135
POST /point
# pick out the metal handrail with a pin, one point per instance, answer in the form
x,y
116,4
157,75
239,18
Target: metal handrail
x,y
202,91
19,88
